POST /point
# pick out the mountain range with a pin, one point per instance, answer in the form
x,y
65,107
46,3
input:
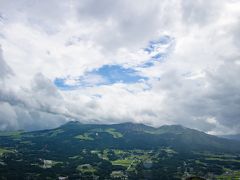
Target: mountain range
x,y
147,137
116,151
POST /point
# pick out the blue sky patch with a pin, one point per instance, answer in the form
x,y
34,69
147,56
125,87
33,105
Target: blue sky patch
x,y
117,73
158,50
105,75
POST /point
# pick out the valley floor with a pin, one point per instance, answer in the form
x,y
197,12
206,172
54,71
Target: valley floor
x,y
164,163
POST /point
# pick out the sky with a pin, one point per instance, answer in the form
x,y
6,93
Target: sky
x,y
112,61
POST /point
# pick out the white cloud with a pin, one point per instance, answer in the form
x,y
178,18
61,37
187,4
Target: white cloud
x,y
44,40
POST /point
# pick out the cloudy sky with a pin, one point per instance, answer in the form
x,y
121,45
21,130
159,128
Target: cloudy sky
x,y
110,61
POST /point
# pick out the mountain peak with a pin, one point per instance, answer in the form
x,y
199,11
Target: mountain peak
x,y
71,124
133,126
173,128
177,126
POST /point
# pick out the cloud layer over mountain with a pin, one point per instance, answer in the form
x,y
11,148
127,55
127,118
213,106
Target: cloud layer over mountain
x,y
154,62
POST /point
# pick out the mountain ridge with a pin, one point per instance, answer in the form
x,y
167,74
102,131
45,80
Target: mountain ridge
x,y
134,135
80,150
176,136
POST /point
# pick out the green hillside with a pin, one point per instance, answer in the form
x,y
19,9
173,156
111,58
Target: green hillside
x,y
127,150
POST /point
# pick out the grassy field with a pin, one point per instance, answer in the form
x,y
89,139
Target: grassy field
x,y
56,132
229,175
85,137
114,133
130,159
11,133
3,151
122,162
86,168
